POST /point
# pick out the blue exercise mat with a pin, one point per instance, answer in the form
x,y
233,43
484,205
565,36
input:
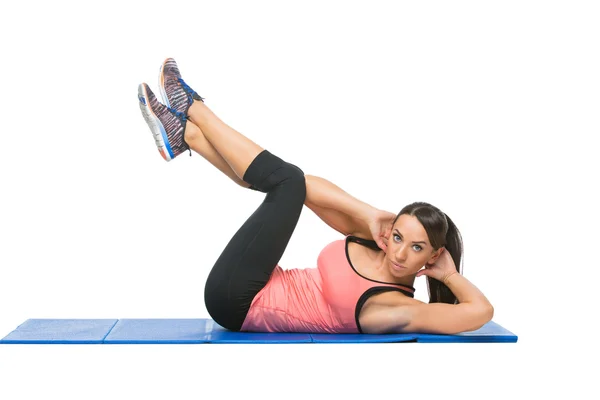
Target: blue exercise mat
x,y
199,331
155,331
61,331
190,331
489,333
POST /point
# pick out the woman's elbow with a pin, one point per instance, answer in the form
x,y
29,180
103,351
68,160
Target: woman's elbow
x,y
490,312
478,316
483,317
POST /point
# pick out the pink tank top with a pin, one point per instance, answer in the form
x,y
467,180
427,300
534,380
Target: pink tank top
x,y
326,299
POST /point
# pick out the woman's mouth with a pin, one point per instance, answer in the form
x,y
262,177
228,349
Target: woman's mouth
x,y
399,267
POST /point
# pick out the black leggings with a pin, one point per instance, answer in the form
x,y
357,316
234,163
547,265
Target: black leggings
x,y
246,264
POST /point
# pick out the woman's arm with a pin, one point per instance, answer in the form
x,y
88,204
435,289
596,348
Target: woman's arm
x,y
336,208
340,222
412,315
473,311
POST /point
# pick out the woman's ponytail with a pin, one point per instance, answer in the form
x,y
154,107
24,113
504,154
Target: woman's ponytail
x,y
438,292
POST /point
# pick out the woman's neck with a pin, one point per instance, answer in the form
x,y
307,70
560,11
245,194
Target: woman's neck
x,y
383,268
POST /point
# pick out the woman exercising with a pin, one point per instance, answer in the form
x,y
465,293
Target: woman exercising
x,y
362,283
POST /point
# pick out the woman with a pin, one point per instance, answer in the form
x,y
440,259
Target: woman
x,y
362,283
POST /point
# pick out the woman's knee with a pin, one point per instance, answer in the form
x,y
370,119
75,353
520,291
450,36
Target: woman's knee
x,y
294,172
294,177
290,171
287,177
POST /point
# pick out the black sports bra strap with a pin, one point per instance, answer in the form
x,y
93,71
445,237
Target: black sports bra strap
x,y
370,292
365,242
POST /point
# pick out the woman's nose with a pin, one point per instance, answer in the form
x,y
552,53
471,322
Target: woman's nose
x,y
401,253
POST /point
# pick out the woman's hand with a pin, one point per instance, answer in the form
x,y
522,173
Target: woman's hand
x,y
441,269
380,225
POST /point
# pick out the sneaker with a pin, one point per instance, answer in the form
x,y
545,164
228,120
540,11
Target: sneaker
x,y
173,89
167,125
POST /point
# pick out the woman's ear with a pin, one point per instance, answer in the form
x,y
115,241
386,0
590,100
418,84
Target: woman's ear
x,y
435,256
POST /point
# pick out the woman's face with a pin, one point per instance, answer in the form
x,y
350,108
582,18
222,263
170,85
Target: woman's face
x,y
409,247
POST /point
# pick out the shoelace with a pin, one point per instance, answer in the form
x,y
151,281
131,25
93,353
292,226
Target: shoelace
x,y
179,114
189,90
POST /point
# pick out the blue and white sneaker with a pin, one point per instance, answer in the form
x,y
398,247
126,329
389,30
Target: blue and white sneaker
x,y
167,125
173,89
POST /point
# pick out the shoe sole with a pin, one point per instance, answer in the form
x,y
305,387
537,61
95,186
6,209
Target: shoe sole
x,y
161,84
157,128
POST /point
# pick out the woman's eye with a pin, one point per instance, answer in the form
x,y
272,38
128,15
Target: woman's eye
x,y
418,248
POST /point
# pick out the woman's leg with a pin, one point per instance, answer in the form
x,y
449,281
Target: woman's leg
x,y
247,262
198,142
236,149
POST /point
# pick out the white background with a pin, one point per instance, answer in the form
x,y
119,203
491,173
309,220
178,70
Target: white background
x,y
487,110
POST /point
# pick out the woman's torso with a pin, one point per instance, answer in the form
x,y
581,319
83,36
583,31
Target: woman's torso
x,y
335,297
366,258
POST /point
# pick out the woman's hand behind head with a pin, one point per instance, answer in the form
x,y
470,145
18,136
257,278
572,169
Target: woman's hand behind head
x,y
441,269
380,225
